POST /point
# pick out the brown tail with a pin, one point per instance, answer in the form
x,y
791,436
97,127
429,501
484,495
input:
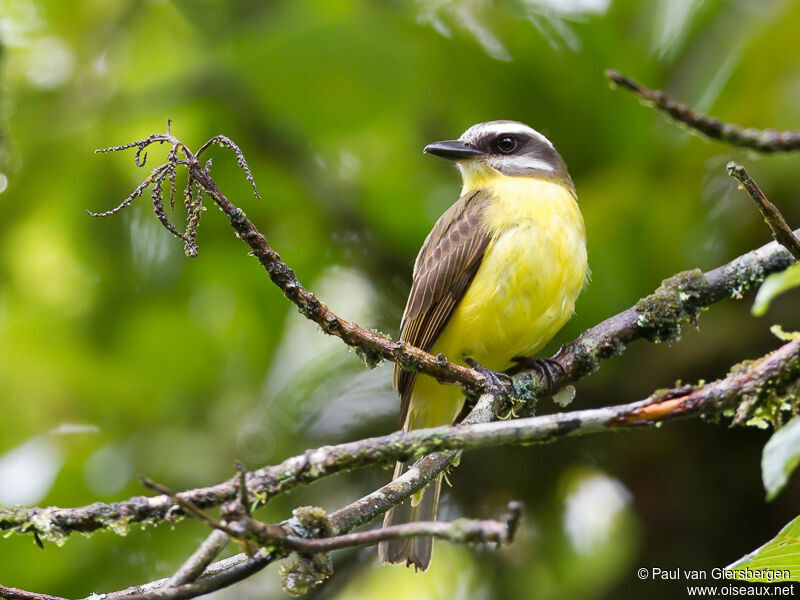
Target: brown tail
x,y
417,550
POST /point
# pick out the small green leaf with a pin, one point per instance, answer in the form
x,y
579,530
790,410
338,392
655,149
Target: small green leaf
x,y
782,553
780,457
774,286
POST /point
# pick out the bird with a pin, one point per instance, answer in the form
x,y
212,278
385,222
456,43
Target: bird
x,y
495,280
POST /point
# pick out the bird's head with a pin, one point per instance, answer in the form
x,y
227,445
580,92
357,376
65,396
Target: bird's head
x,y
504,148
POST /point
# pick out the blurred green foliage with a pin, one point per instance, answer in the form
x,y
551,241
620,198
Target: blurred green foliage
x,y
120,356
780,457
773,286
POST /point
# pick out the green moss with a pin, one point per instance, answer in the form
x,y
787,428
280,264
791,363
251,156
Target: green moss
x,y
527,389
120,526
770,402
41,523
587,354
303,571
370,358
663,313
784,336
311,522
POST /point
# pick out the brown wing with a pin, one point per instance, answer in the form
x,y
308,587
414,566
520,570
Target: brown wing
x,y
445,266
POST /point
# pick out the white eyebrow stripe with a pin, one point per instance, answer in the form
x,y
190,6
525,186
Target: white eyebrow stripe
x,y
520,164
497,128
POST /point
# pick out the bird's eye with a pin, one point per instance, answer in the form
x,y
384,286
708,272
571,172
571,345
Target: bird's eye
x,y
507,144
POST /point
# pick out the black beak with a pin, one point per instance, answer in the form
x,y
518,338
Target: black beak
x,y
452,150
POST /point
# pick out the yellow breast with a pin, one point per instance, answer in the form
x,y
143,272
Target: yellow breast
x,y
532,272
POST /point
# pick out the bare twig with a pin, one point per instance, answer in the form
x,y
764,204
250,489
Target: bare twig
x,y
762,140
8,593
221,575
157,172
313,522
780,230
200,558
461,531
228,143
187,505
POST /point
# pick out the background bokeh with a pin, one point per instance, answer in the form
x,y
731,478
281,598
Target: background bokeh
x,y
119,356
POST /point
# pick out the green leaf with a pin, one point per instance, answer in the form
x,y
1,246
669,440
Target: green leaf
x,y
780,457
774,286
782,553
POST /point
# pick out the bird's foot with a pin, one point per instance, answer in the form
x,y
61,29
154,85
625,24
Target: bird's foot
x,y
548,369
498,381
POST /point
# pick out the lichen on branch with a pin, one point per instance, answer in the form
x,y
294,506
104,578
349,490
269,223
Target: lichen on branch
x,y
676,302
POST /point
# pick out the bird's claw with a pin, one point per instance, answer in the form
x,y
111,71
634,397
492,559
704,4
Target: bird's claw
x,y
548,369
497,380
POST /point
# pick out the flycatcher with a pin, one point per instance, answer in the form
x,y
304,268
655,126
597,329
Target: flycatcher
x,y
496,278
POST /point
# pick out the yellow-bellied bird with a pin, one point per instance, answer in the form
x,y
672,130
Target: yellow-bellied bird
x,y
496,278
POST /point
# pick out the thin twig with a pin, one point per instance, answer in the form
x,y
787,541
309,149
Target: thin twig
x,y
224,574
247,529
135,194
187,505
780,230
200,559
762,140
228,143
461,531
8,593
158,199
241,482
